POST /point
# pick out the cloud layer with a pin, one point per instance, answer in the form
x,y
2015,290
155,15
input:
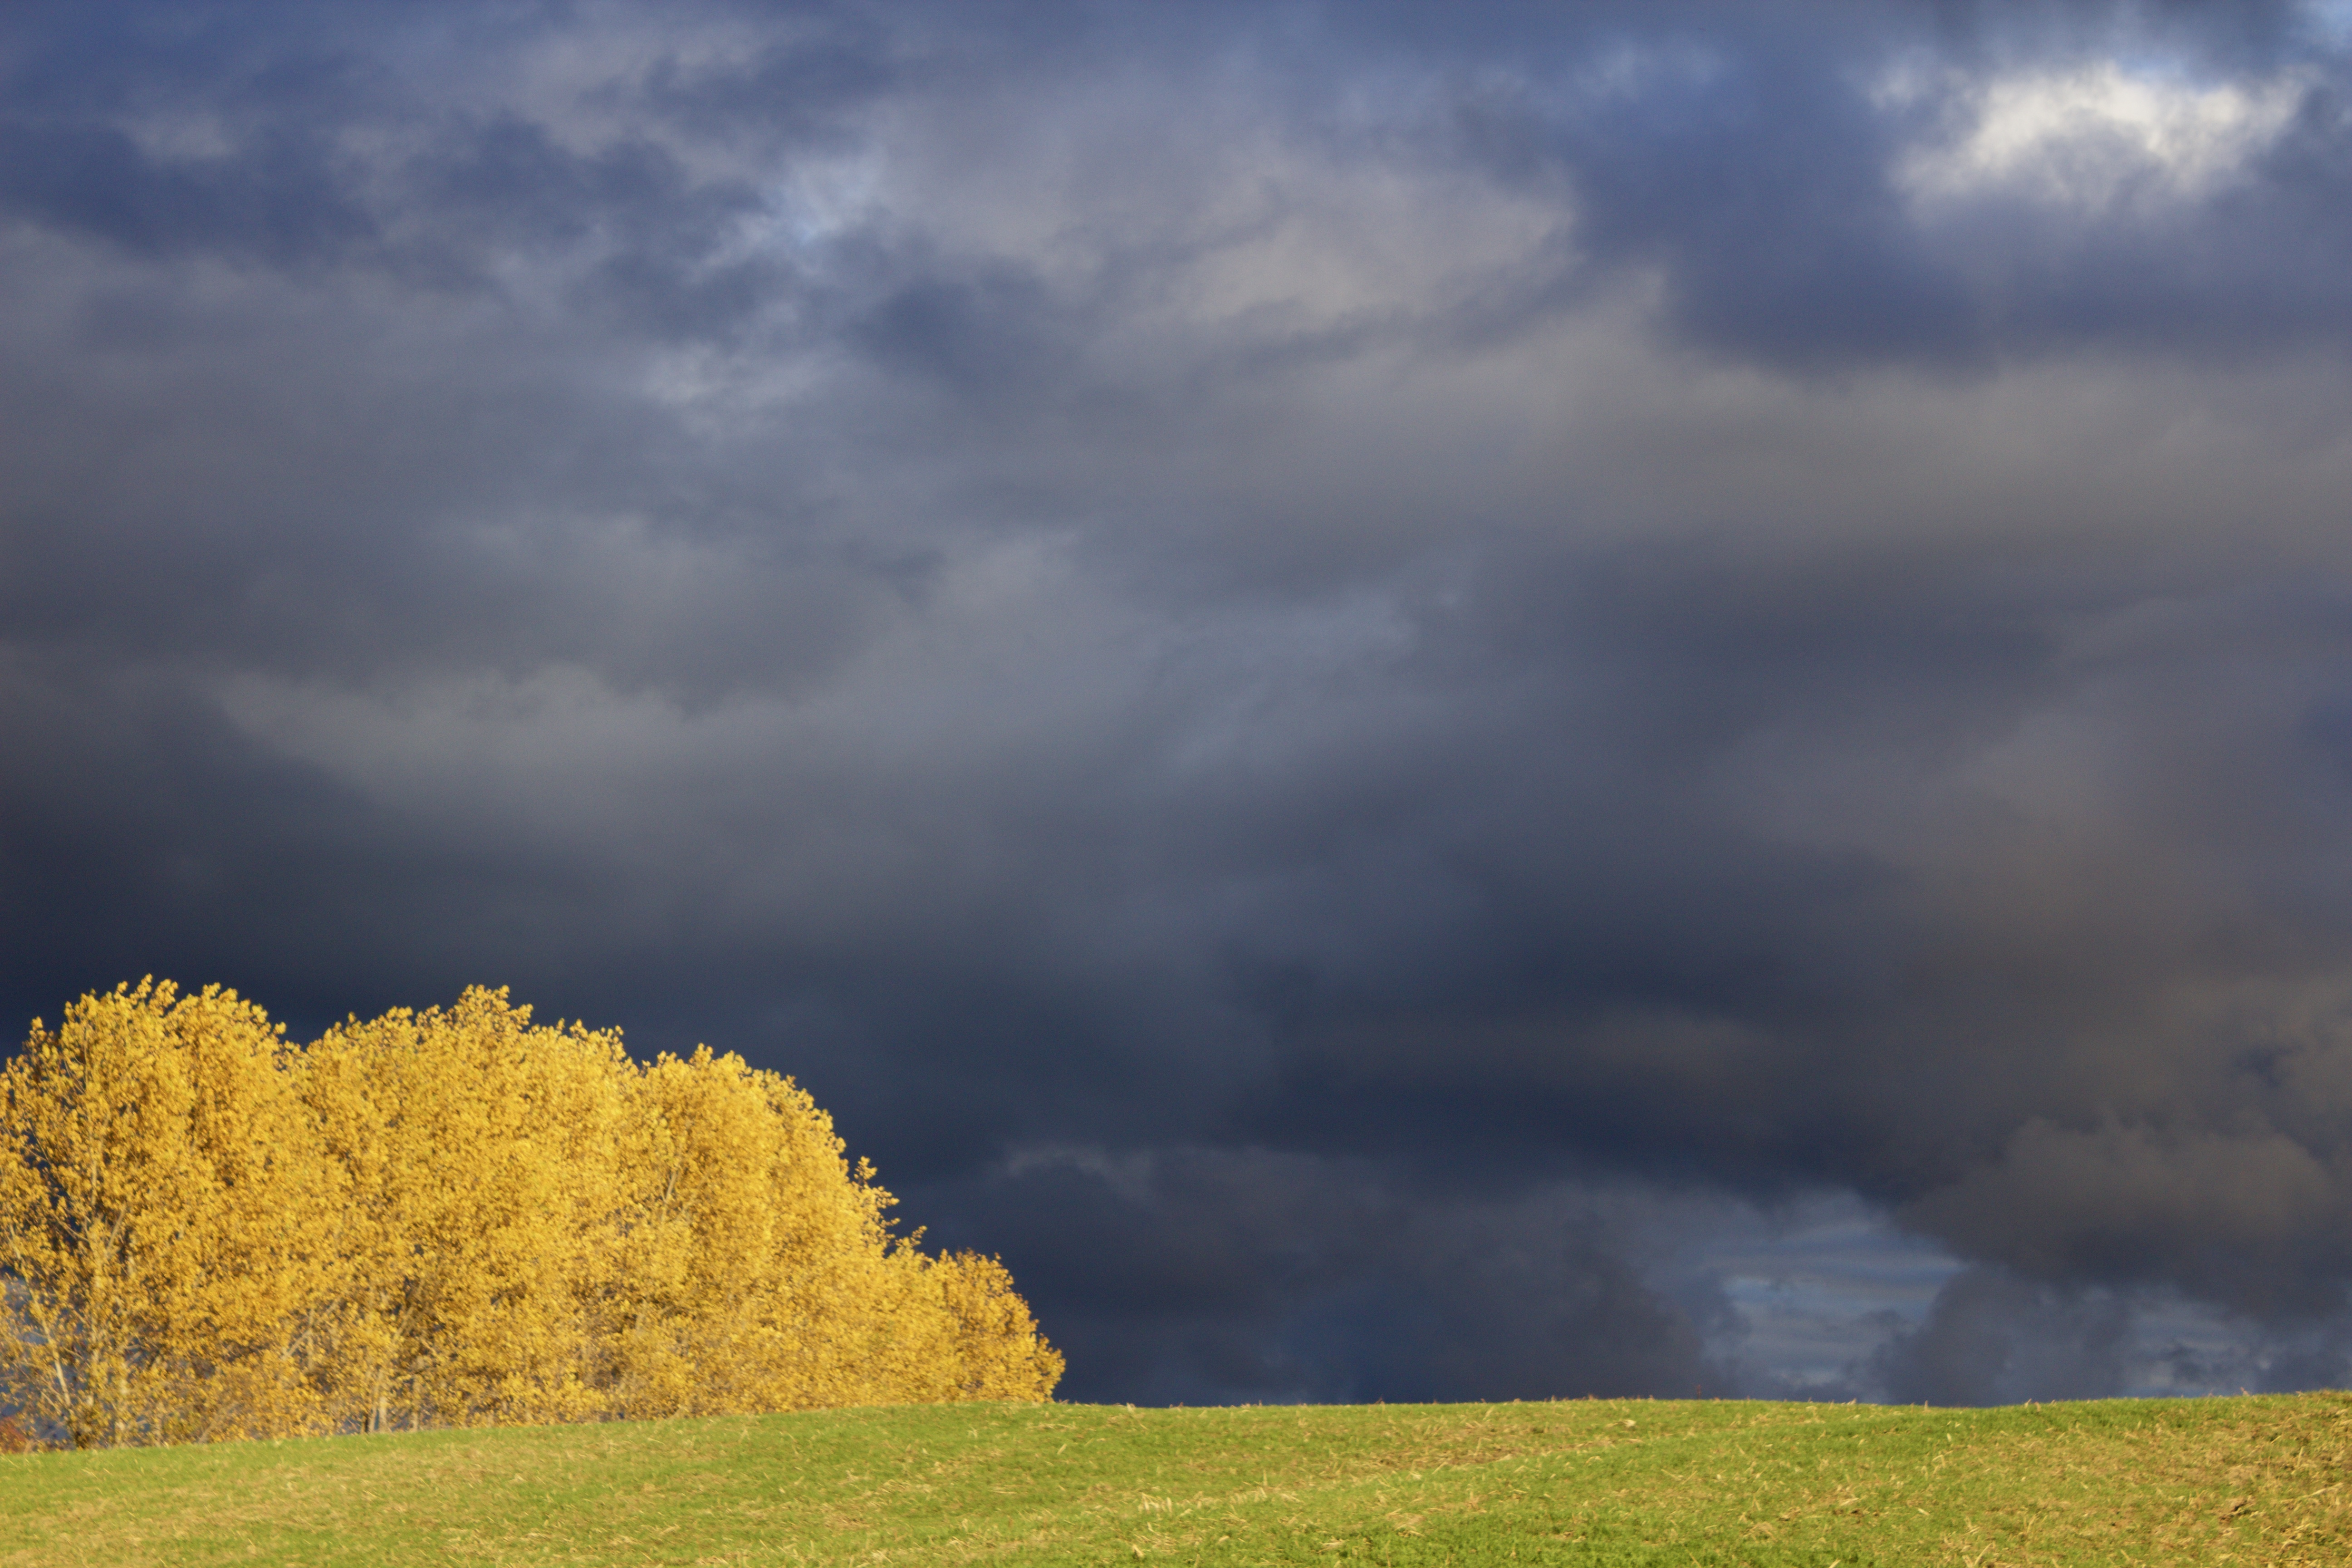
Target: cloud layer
x,y
1379,686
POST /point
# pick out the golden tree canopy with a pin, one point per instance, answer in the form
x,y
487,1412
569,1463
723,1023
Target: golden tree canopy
x,y
445,1218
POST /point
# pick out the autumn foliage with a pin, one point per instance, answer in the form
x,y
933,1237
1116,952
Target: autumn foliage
x,y
447,1218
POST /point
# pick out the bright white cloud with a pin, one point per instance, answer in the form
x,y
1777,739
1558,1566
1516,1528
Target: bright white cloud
x,y
2091,137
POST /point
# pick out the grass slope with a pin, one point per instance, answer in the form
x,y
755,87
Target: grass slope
x,y
2225,1480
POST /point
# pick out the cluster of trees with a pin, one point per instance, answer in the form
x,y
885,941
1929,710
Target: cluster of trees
x,y
447,1218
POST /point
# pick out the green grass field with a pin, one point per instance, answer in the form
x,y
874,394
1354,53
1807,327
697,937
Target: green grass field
x,y
2226,1480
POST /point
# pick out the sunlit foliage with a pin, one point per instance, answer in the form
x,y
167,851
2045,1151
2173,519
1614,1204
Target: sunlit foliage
x,y
451,1217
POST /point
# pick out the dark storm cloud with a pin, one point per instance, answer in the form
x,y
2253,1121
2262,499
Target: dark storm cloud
x,y
1993,1340
277,201
1270,646
1199,1276
1761,176
787,93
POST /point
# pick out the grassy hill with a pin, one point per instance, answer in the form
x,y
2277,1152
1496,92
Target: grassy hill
x,y
2228,1481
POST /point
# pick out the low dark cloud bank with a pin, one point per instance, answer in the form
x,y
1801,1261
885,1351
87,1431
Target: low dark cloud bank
x,y
1388,689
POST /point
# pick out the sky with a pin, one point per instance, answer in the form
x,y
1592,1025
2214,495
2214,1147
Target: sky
x,y
1426,702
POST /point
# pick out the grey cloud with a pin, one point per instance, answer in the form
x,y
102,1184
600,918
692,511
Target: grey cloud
x,y
1758,177
1209,612
1992,1339
978,335
510,179
1209,1277
651,246
2246,1217
277,201
787,94
1762,190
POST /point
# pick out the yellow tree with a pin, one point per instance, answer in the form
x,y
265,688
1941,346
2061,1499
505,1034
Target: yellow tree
x,y
449,1217
482,1166
757,1253
999,1354
763,1274
165,1223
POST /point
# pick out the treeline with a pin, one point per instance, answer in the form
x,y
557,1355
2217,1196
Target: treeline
x,y
447,1218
